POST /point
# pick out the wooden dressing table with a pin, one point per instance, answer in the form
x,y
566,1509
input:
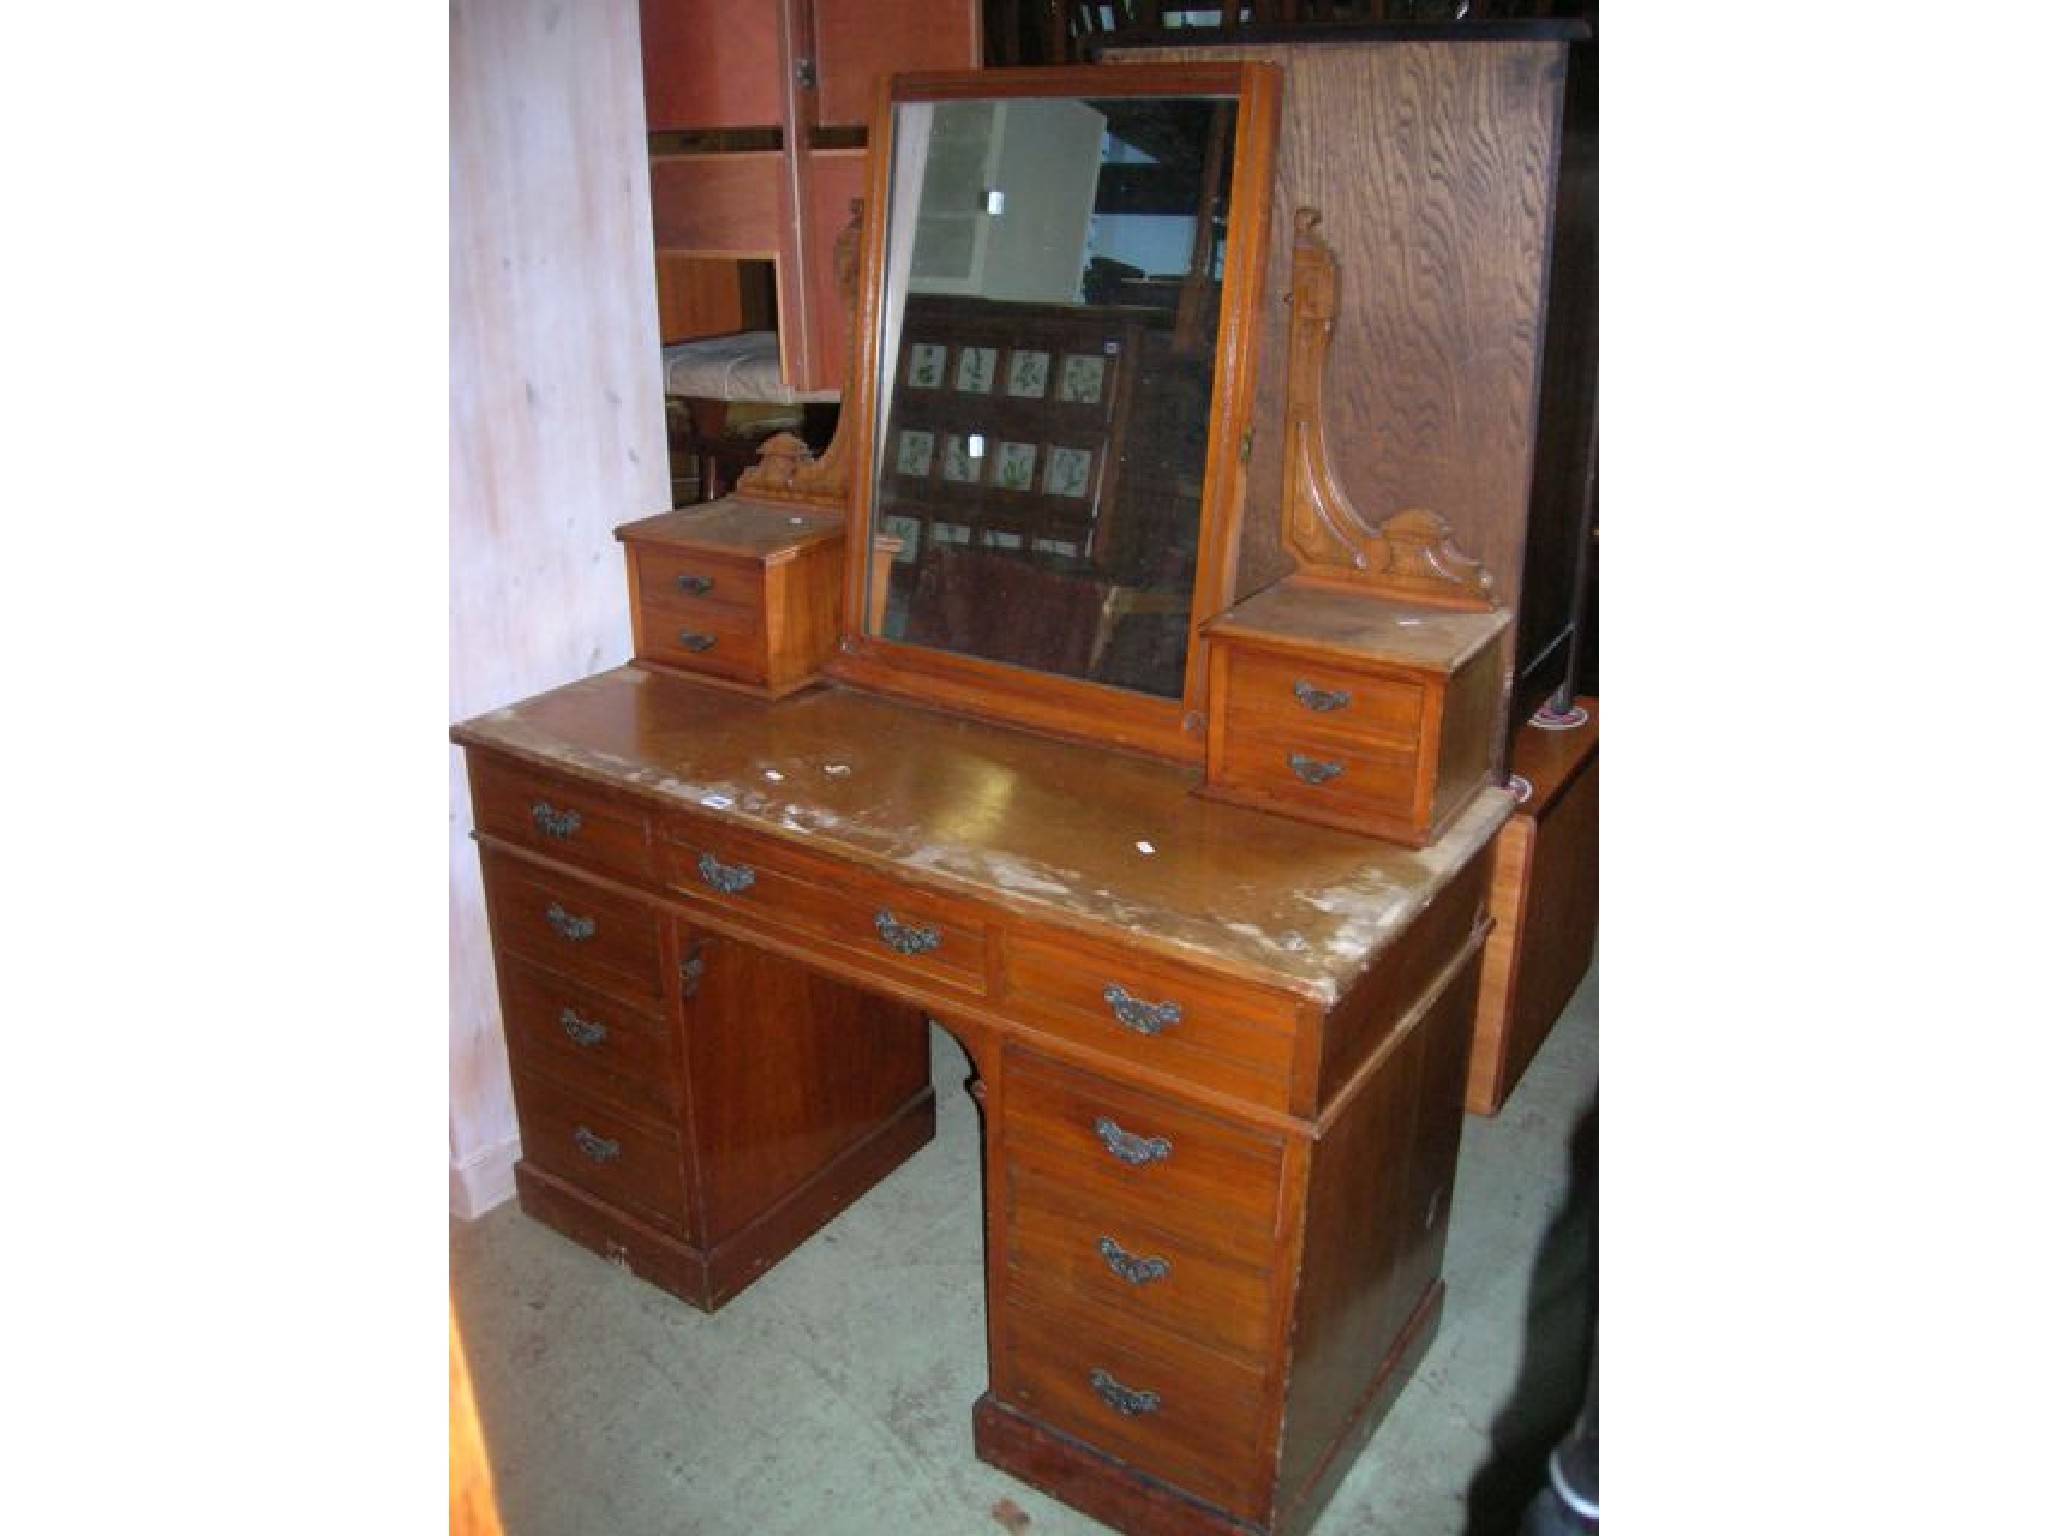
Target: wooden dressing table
x,y
1219,1048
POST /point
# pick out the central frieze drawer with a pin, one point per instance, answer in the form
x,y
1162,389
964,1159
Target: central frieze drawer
x,y
1233,1037
559,818
573,926
881,923
1211,1184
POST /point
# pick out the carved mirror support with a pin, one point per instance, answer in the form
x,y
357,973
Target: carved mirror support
x,y
1409,555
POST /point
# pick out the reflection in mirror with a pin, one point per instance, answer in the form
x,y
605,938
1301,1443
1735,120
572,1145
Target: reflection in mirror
x,y
1047,355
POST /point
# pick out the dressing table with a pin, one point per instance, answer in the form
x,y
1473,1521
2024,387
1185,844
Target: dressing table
x,y
1219,1024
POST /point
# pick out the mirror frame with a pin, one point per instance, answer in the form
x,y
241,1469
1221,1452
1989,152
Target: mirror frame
x,y
1071,707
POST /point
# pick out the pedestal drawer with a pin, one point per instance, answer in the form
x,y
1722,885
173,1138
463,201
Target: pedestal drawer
x,y
1213,1185
1189,1419
616,1156
592,1040
572,926
559,818
1124,1258
1234,1037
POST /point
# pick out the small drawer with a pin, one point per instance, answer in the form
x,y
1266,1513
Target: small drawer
x,y
598,1147
1292,695
1124,1257
1186,1417
878,924
558,817
1237,1037
572,926
1354,778
1212,1185
591,1040
704,637
693,581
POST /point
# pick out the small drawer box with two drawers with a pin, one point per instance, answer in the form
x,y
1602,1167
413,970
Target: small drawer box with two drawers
x,y
1351,710
745,594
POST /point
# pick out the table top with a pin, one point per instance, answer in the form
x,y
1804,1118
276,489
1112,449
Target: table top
x,y
1048,829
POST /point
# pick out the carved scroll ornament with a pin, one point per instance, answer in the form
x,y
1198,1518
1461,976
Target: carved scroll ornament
x,y
1408,555
786,470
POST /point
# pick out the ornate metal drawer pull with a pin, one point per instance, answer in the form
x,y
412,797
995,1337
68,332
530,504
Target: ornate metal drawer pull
x,y
1126,1148
695,640
905,938
1121,1397
583,1031
729,878
593,1146
1128,1265
1311,771
696,586
554,823
571,927
1134,1013
1321,700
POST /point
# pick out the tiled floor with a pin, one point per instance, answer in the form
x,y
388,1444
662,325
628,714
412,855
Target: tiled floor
x,y
833,1396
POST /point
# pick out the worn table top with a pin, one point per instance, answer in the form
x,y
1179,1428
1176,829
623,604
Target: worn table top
x,y
1040,827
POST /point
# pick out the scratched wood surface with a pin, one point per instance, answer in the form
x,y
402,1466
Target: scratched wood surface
x,y
1433,165
1064,833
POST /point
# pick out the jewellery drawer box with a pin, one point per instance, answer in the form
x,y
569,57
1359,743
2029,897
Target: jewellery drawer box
x,y
1348,710
737,592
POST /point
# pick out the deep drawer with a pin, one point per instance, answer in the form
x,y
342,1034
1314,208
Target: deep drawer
x,y
704,637
590,1039
1234,1036
559,818
882,925
1187,1418
572,926
616,1156
1213,1185
1124,1258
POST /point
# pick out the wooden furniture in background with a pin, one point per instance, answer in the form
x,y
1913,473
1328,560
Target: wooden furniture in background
x,y
1546,905
737,591
1440,162
472,1504
756,111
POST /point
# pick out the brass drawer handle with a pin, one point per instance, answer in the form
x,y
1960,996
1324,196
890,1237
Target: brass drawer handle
x,y
729,878
905,938
1321,700
695,640
593,1146
1126,1148
568,925
554,823
1134,1013
1129,1266
1311,771
1120,1397
583,1031
696,586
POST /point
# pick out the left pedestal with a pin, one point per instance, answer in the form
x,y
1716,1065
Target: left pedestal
x,y
660,1125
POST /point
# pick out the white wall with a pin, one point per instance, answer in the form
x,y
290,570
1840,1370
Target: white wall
x,y
555,431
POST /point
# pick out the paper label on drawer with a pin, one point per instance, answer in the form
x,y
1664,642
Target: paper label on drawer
x,y
716,802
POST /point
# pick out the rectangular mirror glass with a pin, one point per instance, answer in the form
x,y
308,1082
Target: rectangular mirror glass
x,y
1059,348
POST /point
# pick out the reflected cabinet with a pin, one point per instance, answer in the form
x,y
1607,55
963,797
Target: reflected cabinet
x,y
969,721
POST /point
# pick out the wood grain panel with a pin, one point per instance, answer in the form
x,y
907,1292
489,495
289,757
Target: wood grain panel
x,y
859,41
1433,165
710,63
717,205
